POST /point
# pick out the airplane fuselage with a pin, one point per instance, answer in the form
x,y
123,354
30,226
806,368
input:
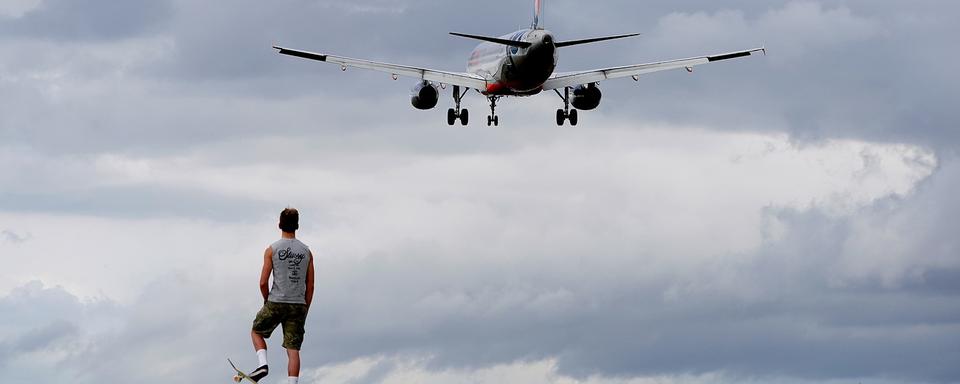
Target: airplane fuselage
x,y
515,71
518,64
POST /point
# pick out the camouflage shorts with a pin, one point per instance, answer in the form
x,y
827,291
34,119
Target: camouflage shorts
x,y
291,316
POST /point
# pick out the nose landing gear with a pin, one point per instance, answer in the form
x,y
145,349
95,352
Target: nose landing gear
x,y
493,119
566,113
454,114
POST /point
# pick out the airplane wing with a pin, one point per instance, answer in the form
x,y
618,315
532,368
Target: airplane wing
x,y
453,78
596,75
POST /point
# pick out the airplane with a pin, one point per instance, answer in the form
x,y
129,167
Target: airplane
x,y
519,64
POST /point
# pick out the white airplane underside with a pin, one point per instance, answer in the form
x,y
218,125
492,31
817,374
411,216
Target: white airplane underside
x,y
519,64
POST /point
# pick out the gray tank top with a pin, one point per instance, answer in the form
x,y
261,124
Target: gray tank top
x,y
290,260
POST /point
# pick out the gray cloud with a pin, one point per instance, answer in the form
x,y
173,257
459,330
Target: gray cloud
x,y
42,321
808,86
798,307
130,202
215,52
42,338
836,70
801,306
504,274
8,236
79,20
812,303
89,340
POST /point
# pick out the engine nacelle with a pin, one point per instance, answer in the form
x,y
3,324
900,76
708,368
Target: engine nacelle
x,y
424,95
586,97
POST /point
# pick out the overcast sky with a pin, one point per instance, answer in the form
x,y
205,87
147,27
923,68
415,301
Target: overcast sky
x,y
781,219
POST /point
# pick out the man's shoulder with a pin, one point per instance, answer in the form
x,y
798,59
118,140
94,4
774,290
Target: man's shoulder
x,y
300,243
287,242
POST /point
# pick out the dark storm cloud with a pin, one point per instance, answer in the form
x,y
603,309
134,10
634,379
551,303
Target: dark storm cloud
x,y
80,20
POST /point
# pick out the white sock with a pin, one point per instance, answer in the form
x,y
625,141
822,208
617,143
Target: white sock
x,y
292,379
262,357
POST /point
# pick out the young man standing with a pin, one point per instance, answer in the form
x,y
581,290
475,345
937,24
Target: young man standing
x,y
286,303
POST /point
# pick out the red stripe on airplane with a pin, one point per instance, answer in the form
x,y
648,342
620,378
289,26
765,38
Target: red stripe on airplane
x,y
500,88
495,87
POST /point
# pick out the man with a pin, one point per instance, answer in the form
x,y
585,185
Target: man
x,y
286,303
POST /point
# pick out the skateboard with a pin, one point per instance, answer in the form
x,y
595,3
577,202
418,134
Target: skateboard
x,y
240,374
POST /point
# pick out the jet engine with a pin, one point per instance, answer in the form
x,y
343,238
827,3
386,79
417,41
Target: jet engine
x,y
424,95
586,97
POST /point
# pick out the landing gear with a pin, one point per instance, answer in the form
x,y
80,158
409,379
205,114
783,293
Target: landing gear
x,y
493,119
566,113
454,114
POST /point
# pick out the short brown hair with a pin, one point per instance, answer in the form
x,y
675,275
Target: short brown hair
x,y
289,220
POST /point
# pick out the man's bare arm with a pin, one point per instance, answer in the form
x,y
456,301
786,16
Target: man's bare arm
x,y
309,296
265,273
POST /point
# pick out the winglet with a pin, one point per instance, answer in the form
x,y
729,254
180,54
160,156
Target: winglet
x,y
303,54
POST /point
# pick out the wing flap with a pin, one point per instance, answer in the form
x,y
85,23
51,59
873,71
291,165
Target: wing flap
x,y
593,76
453,78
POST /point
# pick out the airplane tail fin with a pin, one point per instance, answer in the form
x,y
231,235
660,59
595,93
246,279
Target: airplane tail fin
x,y
497,40
537,14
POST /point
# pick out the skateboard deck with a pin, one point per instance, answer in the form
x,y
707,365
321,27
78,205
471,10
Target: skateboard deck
x,y
240,376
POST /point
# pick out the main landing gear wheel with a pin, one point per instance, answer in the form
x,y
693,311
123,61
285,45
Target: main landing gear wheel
x,y
493,120
454,114
566,113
